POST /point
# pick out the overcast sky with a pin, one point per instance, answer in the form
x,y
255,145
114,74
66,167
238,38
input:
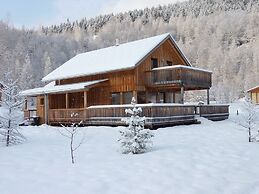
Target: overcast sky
x,y
32,13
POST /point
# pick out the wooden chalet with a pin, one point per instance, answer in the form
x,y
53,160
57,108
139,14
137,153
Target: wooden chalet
x,y
97,86
254,94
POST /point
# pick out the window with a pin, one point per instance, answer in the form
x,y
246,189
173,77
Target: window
x,y
161,97
127,97
151,97
154,63
115,98
141,97
31,103
169,63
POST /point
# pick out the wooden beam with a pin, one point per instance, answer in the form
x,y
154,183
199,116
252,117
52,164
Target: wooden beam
x,y
46,108
208,96
121,98
135,95
182,95
67,100
85,99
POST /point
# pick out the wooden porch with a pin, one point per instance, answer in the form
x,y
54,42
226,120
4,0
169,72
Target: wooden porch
x,y
157,115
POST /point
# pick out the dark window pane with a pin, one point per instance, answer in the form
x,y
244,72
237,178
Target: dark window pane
x,y
115,98
161,97
127,97
169,63
141,97
154,63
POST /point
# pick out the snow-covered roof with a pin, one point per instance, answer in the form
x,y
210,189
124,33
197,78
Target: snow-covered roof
x,y
52,88
123,56
180,66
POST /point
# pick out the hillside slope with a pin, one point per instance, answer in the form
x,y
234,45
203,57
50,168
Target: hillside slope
x,y
221,36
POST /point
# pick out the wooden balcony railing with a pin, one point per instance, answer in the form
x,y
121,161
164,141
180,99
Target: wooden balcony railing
x,y
214,112
156,114
188,77
66,115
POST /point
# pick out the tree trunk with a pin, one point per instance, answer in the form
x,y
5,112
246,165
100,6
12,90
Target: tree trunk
x,y
249,135
8,138
9,130
71,149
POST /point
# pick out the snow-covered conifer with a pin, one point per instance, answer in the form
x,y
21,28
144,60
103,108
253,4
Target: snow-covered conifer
x,y
134,138
10,115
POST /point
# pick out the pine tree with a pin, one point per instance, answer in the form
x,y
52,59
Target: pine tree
x,y
135,139
9,119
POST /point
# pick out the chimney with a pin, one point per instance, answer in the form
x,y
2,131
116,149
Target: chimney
x,y
117,42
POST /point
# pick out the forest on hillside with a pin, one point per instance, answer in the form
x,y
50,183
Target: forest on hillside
x,y
221,36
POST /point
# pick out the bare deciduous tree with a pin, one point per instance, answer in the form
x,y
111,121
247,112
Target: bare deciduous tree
x,y
71,133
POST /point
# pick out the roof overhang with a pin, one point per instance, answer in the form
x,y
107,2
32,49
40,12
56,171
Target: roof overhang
x,y
253,89
180,67
55,89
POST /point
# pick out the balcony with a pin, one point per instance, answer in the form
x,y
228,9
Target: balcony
x,y
178,76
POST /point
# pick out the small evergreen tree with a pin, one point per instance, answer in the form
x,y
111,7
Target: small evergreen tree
x,y
11,106
135,139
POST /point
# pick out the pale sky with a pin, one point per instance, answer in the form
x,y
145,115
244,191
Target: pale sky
x,y
32,13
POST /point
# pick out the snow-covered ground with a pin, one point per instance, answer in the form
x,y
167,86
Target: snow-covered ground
x,y
213,157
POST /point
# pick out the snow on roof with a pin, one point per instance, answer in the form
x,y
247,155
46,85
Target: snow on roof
x,y
180,66
52,88
251,89
123,56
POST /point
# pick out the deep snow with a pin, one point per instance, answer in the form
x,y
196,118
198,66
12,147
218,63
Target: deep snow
x,y
213,157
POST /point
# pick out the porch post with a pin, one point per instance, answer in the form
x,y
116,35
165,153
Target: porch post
x,y
208,96
66,100
46,107
135,95
85,99
121,98
182,95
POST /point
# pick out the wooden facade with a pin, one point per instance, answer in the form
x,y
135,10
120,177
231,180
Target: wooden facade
x,y
254,94
160,77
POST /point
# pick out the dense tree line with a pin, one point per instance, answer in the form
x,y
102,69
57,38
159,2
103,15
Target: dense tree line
x,y
221,36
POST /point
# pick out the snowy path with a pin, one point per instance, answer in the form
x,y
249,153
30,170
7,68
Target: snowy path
x,y
212,158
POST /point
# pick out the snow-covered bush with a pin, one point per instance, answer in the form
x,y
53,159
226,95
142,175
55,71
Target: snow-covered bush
x,y
10,112
249,120
135,139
